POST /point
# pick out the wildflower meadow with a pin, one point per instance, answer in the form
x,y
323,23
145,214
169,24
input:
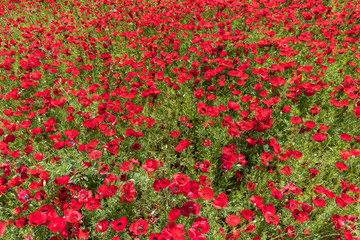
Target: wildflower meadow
x,y
180,119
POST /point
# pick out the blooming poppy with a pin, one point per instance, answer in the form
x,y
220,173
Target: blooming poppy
x,y
173,215
319,202
95,155
250,186
276,194
174,134
300,216
340,202
57,224
207,193
341,166
347,199
38,156
83,235
201,225
91,204
348,235
319,137
21,222
220,201
37,218
247,214
72,216
119,225
150,165
190,207
180,179
290,231
62,180
345,137
139,227
296,154
2,228
102,226
286,170
232,220
24,196
128,192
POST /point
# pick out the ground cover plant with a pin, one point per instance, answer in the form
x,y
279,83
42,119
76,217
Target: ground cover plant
x,y
170,119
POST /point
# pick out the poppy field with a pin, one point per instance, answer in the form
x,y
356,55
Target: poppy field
x,y
180,119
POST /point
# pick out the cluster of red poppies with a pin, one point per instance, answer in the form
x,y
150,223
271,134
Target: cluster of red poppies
x,y
173,120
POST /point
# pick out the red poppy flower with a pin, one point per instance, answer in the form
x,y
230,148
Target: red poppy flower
x,y
153,236
71,133
70,230
174,134
233,106
173,230
190,207
250,186
206,143
347,199
319,137
286,170
92,204
75,205
95,155
323,127
296,120
2,228
340,202
84,195
348,235
200,227
319,202
199,93
296,154
207,193
126,167
205,181
272,218
290,231
40,195
128,192
180,179
307,232
57,224
24,196
265,158
345,137
48,211
139,227
286,109
72,216
234,132
247,214
36,218
300,216
38,156
83,235
173,215
119,225
150,165
276,194
21,222
232,220
307,15
220,201
102,226
341,166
